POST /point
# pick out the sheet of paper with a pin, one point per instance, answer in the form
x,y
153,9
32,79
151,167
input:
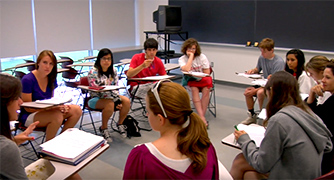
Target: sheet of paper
x,y
113,87
255,132
54,101
254,76
198,74
263,114
304,96
157,77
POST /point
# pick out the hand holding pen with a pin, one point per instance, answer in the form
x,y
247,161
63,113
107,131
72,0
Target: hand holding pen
x,y
238,133
147,63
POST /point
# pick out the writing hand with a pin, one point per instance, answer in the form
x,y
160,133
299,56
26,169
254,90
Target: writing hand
x,y
251,71
147,63
24,136
237,133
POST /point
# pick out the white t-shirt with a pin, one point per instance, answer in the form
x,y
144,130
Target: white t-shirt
x,y
199,63
305,83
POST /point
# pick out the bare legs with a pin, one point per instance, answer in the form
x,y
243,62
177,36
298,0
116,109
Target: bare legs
x,y
250,92
242,170
52,119
201,105
107,107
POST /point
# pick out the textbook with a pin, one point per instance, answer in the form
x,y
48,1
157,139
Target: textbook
x,y
72,146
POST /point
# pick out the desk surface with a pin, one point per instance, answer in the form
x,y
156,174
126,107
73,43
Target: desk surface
x,y
59,70
82,64
152,78
171,66
63,60
20,66
107,88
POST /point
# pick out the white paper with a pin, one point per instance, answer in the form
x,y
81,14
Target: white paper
x,y
198,74
255,76
304,96
157,77
54,101
71,143
263,114
255,132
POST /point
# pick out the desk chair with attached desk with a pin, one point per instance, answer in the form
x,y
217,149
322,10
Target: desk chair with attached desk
x,y
37,141
212,96
70,79
65,61
86,108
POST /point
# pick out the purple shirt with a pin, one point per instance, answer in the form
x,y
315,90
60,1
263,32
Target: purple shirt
x,y
30,85
142,164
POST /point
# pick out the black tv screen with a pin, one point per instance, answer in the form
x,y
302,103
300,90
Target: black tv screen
x,y
168,18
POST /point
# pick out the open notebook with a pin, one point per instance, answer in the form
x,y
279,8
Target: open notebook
x,y
72,146
255,132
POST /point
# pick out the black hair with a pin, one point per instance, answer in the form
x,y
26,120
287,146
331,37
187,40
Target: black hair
x,y
301,61
103,52
151,43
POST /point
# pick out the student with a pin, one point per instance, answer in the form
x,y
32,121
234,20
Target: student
x,y
195,61
294,65
269,63
184,150
11,164
144,65
315,68
294,141
39,85
104,73
323,110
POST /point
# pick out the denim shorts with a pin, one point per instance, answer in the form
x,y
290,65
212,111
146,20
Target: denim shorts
x,y
92,102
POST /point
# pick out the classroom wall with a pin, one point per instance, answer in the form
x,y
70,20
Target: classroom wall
x,y
227,58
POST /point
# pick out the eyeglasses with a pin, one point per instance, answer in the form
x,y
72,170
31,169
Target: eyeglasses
x,y
155,92
106,59
191,49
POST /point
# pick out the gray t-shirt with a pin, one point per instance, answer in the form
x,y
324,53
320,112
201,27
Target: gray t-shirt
x,y
270,66
11,165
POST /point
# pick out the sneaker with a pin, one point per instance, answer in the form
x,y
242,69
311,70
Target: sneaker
x,y
106,135
121,130
251,119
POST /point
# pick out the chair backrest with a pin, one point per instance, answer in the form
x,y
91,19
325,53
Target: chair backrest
x,y
84,81
19,74
70,74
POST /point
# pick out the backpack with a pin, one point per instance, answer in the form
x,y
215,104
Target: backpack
x,y
132,127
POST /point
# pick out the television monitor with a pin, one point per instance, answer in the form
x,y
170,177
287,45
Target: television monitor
x,y
168,18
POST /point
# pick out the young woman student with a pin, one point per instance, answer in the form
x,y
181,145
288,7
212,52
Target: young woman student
x,y
324,110
195,61
39,85
11,165
183,150
315,68
104,73
295,138
295,61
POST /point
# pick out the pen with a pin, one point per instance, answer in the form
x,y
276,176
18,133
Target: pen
x,y
236,127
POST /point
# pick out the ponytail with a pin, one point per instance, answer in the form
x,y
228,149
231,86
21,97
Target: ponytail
x,y
193,141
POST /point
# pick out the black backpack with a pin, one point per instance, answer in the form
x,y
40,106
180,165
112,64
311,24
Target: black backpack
x,y
132,127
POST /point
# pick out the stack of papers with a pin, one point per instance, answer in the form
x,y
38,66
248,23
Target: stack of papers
x,y
72,146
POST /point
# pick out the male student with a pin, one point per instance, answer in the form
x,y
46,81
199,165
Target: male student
x,y
269,63
144,65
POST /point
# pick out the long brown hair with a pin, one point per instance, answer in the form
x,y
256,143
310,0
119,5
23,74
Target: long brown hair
x,y
53,74
192,140
10,90
318,63
283,91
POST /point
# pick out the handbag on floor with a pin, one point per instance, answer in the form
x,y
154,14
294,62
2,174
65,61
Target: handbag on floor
x,y
132,128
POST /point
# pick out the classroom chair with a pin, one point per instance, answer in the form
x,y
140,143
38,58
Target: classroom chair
x,y
70,79
38,140
87,109
19,74
66,63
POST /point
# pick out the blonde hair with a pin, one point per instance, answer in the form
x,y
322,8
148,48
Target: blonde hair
x,y
318,63
267,43
192,140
